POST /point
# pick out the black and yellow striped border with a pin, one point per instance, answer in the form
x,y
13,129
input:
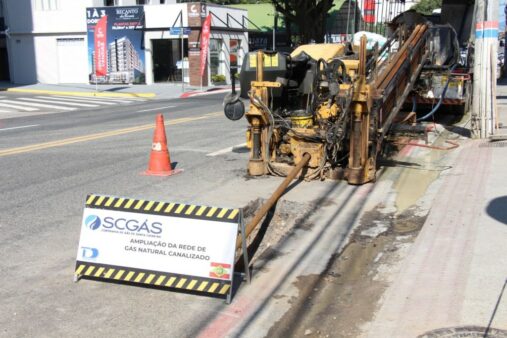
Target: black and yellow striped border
x,y
162,208
153,278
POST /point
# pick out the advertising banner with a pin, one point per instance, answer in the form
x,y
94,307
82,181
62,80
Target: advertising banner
x,y
177,245
206,28
115,37
100,49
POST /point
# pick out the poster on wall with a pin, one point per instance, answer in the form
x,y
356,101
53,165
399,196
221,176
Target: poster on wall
x,y
115,53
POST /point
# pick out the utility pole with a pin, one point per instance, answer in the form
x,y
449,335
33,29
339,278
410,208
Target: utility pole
x,y
485,56
182,54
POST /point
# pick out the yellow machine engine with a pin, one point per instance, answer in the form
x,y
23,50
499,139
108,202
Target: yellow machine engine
x,y
303,112
327,101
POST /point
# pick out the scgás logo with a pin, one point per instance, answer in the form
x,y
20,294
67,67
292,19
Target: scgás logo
x,y
92,222
132,225
122,224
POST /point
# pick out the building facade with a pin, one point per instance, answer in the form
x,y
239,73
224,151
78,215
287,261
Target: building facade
x,y
46,41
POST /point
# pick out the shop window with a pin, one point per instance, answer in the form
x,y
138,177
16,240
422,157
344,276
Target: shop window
x,y
216,57
142,2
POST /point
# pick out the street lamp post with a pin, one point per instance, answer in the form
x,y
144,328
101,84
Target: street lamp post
x,y
275,23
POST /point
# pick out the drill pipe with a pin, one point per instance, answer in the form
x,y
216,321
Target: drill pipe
x,y
273,199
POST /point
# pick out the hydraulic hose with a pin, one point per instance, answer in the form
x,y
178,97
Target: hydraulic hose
x,y
434,110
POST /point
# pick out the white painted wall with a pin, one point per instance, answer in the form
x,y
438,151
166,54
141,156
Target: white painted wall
x,y
34,27
158,16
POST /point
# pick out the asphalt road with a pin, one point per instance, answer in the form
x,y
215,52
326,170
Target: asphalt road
x,y
52,160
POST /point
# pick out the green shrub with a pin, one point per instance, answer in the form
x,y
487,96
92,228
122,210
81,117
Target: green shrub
x,y
218,78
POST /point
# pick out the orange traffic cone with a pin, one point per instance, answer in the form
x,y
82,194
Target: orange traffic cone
x,y
160,161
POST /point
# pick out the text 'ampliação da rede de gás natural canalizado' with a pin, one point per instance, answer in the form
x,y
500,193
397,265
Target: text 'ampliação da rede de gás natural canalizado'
x,y
167,249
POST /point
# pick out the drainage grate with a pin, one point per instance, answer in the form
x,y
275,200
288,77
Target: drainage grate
x,y
493,145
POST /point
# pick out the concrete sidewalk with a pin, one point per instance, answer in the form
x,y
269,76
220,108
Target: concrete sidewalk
x,y
453,281
159,90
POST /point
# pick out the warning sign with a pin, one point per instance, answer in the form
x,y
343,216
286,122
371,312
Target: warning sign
x,y
159,243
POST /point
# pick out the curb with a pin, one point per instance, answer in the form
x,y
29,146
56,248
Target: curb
x,y
98,94
208,92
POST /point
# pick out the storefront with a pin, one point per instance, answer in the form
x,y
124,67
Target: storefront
x,y
173,51
169,47
138,44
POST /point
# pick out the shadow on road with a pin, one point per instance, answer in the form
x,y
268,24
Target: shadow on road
x,y
497,209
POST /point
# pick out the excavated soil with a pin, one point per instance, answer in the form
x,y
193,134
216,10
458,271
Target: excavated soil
x,y
278,224
353,281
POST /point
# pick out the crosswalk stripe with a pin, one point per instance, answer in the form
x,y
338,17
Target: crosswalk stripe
x,y
106,99
52,100
17,107
76,99
37,104
127,99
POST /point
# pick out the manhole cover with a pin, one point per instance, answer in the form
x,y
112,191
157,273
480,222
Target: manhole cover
x,y
465,331
493,145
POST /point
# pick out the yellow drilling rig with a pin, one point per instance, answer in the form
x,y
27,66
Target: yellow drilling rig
x,y
329,105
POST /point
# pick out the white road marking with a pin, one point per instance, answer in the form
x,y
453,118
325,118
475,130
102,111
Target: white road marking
x,y
37,104
20,127
226,150
76,99
52,100
145,110
17,107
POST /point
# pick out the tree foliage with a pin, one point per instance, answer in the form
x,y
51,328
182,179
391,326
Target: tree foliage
x,y
309,16
426,7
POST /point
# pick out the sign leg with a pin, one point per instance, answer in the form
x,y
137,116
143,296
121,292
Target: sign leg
x,y
244,247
